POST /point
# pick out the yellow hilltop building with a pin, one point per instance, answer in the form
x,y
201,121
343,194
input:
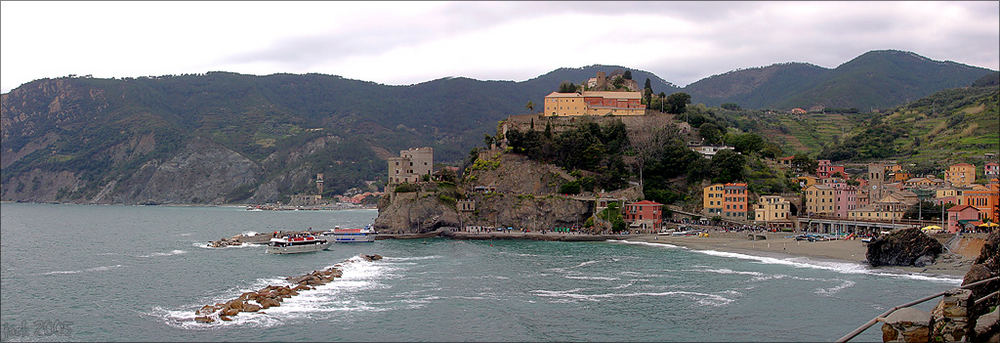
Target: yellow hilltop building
x,y
590,103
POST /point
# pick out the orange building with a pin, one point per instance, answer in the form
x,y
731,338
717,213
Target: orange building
x,y
735,205
961,174
986,201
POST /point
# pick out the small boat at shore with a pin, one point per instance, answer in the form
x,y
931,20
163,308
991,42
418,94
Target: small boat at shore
x,y
295,245
365,235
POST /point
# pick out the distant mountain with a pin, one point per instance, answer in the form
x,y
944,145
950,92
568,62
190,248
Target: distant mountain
x,y
756,87
877,79
224,137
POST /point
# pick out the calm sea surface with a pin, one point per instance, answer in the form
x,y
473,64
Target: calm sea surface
x,y
134,273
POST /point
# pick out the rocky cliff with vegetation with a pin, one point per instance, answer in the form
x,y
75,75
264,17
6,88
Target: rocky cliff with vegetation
x,y
506,190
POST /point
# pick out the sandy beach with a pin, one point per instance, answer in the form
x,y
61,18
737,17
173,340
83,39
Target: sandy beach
x,y
781,245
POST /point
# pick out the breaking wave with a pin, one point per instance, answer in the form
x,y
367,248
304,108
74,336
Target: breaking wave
x,y
700,298
839,267
88,270
172,252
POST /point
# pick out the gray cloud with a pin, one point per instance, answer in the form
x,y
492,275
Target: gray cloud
x,y
679,41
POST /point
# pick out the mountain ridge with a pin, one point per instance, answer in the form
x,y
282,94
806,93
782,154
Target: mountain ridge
x,y
86,139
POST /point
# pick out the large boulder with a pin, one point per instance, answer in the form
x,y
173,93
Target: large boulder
x,y
906,247
268,303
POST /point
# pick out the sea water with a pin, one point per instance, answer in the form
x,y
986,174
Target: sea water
x,y
138,273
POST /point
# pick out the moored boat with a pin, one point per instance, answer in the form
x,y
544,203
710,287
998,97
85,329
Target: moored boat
x,y
340,235
295,245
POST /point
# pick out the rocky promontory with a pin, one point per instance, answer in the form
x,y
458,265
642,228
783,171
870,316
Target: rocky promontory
x,y
499,190
906,247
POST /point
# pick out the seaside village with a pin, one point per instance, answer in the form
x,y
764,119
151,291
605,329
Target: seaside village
x,y
862,199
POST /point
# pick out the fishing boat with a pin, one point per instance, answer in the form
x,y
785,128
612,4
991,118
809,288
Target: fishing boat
x,y
295,245
339,235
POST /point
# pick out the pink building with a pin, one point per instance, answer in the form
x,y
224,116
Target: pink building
x,y
959,215
827,169
846,198
991,170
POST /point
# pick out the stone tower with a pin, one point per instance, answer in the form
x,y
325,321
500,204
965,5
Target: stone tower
x,y
319,183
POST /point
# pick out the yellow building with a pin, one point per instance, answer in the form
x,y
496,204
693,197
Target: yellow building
x,y
923,182
961,174
772,208
888,209
712,198
590,103
820,199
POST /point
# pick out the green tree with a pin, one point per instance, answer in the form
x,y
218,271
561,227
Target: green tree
x,y
802,163
618,82
710,132
730,106
488,140
571,187
677,102
567,87
647,93
627,75
530,106
746,143
771,150
728,166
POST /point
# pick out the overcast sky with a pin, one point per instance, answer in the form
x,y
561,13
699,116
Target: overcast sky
x,y
405,43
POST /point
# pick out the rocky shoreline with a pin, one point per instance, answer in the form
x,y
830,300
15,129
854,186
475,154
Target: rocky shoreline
x,y
272,296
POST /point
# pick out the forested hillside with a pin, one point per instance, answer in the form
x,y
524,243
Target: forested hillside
x,y
224,137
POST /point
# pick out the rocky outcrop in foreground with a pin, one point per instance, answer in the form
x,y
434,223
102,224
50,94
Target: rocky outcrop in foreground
x,y
906,247
272,296
957,316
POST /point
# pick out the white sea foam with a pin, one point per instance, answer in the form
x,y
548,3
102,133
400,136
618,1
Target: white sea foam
x,y
659,245
88,270
839,267
242,245
701,298
414,258
336,296
185,234
172,252
835,289
250,233
591,278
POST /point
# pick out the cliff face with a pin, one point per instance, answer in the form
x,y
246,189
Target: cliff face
x,y
414,212
526,211
522,196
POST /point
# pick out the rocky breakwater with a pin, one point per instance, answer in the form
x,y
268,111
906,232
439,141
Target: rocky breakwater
x,y
906,247
272,295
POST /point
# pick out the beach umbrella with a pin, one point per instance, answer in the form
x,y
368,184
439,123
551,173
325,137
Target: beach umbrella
x,y
931,227
989,225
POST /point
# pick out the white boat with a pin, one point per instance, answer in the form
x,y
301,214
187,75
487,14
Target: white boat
x,y
295,245
339,235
